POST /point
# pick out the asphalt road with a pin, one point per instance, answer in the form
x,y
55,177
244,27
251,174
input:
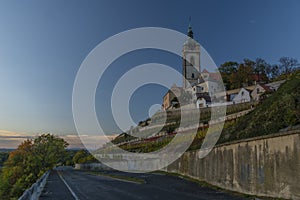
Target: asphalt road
x,y
68,184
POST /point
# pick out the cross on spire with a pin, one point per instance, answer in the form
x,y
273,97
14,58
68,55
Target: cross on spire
x,y
190,31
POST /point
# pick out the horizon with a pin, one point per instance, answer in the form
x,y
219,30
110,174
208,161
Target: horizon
x,y
44,44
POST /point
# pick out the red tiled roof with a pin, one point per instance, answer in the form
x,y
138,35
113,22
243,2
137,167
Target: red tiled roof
x,y
257,77
215,76
205,71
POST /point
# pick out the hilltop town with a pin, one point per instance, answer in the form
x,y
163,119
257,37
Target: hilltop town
x,y
238,87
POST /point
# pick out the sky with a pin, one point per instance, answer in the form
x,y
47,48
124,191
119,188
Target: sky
x,y
43,44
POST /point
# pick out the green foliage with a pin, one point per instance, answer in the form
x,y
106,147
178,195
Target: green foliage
x,y
80,156
49,150
28,162
68,158
279,111
83,156
3,157
236,75
172,123
226,69
122,138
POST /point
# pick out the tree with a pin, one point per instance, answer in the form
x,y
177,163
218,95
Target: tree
x,y
68,158
14,168
243,76
28,162
288,65
226,70
272,71
260,69
3,157
49,150
83,156
80,156
228,67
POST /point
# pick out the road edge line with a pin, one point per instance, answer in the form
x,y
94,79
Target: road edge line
x,y
69,188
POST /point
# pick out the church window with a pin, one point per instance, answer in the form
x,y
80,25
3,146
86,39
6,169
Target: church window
x,y
193,75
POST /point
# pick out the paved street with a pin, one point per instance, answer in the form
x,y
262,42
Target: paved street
x,y
69,184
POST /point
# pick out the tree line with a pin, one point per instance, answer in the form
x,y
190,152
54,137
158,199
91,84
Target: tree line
x,y
28,162
3,157
32,158
249,72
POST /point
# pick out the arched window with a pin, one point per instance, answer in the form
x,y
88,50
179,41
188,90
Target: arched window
x,y
193,75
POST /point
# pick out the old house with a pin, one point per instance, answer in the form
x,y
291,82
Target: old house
x,y
170,100
242,96
275,85
259,90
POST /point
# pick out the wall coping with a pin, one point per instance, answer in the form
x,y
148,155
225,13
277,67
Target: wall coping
x,y
273,135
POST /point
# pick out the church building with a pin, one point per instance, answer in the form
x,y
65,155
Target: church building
x,y
194,82
190,61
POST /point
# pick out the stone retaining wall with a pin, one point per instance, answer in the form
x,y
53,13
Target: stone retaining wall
x,y
263,166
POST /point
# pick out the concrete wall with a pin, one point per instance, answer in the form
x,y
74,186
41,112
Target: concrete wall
x,y
264,166
92,166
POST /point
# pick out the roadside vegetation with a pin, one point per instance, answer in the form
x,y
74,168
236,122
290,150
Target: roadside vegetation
x,y
3,157
83,156
28,162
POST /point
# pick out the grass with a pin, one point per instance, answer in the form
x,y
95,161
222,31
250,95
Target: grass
x,y
118,177
279,111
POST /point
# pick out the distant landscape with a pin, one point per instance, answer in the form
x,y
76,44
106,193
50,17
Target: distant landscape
x,y
276,111
143,100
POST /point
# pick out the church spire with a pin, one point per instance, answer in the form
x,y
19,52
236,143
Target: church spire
x,y
190,31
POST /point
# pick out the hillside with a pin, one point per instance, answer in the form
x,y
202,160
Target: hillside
x,y
279,111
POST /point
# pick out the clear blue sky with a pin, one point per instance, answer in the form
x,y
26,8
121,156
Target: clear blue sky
x,y
43,43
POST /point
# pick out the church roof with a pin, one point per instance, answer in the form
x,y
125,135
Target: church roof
x,y
205,71
213,76
216,76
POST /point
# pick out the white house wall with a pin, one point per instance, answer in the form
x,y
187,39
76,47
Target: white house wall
x,y
242,97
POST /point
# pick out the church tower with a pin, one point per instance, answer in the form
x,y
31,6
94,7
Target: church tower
x,y
190,60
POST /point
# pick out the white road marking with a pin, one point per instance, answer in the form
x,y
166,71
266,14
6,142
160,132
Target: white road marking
x,y
69,188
